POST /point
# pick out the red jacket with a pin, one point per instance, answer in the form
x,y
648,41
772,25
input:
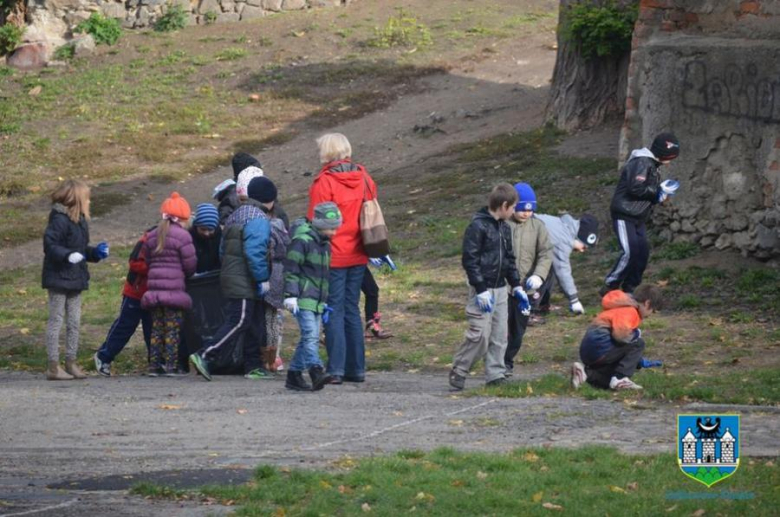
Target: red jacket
x,y
347,184
135,284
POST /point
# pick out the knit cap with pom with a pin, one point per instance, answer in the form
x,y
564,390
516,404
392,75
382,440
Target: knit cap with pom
x,y
176,207
247,175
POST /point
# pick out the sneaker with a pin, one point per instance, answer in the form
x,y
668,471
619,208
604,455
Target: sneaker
x,y
374,328
509,372
496,382
258,374
623,384
155,371
458,382
175,373
578,375
102,368
201,365
279,365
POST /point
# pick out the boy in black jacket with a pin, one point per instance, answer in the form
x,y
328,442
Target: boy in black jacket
x,y
639,188
489,263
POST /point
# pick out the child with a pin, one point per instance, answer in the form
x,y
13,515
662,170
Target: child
x,y
489,263
533,257
612,346
206,237
171,257
274,300
226,193
370,290
306,287
244,280
639,188
130,312
66,250
567,234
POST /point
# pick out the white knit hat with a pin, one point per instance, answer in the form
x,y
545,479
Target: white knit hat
x,y
247,175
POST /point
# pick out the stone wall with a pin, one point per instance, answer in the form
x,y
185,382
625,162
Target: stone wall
x,y
53,20
709,71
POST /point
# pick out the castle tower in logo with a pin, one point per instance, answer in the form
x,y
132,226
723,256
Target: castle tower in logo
x,y
708,449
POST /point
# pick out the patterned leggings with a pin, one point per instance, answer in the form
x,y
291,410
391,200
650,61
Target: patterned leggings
x,y
166,335
62,303
273,327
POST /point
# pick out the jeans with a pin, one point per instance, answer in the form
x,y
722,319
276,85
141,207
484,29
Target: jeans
x,y
307,352
130,315
344,331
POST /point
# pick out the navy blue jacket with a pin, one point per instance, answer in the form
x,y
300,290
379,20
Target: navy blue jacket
x,y
61,238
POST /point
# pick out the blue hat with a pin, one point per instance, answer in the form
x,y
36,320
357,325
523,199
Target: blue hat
x,y
206,215
526,197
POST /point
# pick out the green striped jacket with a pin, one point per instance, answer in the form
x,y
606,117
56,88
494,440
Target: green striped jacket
x,y
307,267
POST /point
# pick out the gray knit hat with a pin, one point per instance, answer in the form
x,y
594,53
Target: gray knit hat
x,y
326,216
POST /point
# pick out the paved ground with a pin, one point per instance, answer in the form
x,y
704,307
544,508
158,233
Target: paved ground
x,y
92,439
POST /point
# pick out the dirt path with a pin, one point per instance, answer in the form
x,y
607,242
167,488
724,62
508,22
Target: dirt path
x,y
477,99
94,438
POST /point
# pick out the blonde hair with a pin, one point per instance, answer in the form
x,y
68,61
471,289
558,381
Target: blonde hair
x,y
162,233
74,195
333,146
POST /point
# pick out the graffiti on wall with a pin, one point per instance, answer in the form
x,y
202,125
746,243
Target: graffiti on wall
x,y
738,91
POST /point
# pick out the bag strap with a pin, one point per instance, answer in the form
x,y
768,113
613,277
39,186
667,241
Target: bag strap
x,y
366,187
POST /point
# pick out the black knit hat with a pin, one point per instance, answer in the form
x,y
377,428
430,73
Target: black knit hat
x,y
588,233
665,147
243,160
262,189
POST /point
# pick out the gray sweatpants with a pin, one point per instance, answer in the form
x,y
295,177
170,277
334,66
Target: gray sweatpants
x,y
63,303
486,336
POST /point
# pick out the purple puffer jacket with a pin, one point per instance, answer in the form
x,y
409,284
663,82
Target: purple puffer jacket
x,y
168,269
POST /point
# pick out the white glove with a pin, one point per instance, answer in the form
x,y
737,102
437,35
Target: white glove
x,y
376,262
662,197
485,301
291,304
534,282
669,187
75,257
577,308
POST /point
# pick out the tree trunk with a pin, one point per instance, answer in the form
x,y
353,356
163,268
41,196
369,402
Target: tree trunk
x,y
586,92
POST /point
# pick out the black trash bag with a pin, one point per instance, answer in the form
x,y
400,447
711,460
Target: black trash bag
x,y
203,321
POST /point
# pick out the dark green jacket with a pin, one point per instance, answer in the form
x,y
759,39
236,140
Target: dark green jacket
x,y
307,267
245,260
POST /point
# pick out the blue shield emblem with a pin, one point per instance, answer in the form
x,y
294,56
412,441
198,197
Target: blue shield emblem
x,y
708,446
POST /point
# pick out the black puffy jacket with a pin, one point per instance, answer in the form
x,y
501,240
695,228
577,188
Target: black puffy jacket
x,y
487,253
61,238
637,189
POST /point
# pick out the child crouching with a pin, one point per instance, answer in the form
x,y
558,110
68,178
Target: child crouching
x,y
613,345
306,288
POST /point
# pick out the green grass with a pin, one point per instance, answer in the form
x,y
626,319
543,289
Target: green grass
x,y
753,387
529,481
677,251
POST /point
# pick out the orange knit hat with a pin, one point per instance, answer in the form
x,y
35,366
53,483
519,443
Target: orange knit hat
x,y
176,207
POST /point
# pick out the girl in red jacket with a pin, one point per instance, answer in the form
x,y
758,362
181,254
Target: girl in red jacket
x,y
347,184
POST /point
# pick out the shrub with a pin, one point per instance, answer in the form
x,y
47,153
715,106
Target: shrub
x,y
10,37
401,30
600,31
175,18
210,17
104,30
65,52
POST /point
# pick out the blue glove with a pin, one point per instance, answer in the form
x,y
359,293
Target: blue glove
x,y
263,288
326,314
485,301
376,262
669,187
523,304
647,363
101,250
387,260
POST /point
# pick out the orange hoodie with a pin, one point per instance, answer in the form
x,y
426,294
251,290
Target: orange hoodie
x,y
347,184
621,315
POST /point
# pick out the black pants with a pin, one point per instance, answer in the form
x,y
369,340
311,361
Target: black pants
x,y
635,251
518,323
620,361
371,292
243,316
540,300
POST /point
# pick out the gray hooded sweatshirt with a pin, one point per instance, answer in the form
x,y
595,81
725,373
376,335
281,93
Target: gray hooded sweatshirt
x,y
563,231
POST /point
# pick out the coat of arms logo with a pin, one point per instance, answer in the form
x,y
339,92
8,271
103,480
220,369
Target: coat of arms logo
x,y
708,446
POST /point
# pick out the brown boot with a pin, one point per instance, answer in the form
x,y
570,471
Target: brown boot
x,y
55,373
72,367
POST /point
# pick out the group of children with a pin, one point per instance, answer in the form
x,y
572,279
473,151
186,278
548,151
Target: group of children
x,y
265,268
508,244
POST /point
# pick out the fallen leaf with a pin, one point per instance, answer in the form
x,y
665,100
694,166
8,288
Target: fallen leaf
x,y
324,484
632,486
24,331
398,413
457,483
456,423
22,292
35,91
528,389
365,507
169,406
551,506
481,475
617,489
537,497
420,495
242,411
254,97
662,283
698,513
530,457
671,509
229,502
